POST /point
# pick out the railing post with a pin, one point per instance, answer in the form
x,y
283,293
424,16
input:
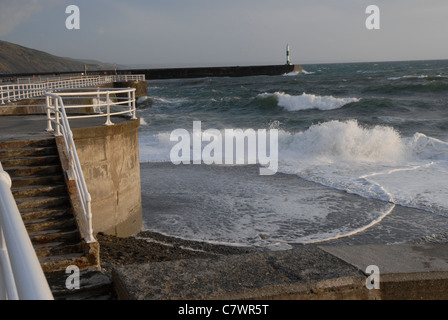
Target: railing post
x,y
49,126
7,90
1,92
133,104
58,121
108,122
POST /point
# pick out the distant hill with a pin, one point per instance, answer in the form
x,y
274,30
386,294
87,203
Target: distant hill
x,y
17,59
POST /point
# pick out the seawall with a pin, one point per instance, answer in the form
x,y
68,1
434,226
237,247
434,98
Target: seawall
x,y
184,73
178,73
109,157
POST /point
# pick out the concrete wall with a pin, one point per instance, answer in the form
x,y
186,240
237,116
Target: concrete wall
x,y
110,160
238,71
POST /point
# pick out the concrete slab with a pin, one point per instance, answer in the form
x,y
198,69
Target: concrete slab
x,y
394,259
302,273
406,271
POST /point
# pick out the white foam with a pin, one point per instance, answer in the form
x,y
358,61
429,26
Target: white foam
x,y
293,74
308,101
372,162
142,99
423,76
155,148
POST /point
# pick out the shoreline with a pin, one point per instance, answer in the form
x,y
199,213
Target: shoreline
x,y
152,247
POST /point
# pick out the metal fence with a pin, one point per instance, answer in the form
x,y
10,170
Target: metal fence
x,y
28,88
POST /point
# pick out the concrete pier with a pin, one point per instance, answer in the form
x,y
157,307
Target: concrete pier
x,y
246,71
179,73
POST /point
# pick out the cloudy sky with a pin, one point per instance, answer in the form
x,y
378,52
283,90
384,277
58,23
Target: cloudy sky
x,y
229,32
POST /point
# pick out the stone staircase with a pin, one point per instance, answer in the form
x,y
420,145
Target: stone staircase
x,y
39,188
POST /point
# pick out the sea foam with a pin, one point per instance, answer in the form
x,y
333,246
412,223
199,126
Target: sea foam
x,y
373,162
307,101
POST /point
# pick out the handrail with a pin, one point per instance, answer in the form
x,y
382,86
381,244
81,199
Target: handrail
x,y
21,275
103,97
56,105
30,89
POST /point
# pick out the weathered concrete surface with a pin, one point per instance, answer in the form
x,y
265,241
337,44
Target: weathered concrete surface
x,y
305,273
110,160
406,271
302,273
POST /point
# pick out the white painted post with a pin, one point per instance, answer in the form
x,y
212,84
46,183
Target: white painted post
x,y
108,122
7,90
134,108
58,121
49,126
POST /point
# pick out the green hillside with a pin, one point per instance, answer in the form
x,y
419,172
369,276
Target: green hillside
x,y
18,59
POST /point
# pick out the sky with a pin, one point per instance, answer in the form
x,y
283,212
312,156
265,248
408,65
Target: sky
x,y
173,33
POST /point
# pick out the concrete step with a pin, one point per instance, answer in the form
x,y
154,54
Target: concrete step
x,y
43,203
94,285
58,249
31,161
34,171
39,191
48,236
61,262
18,182
64,222
28,143
35,214
6,154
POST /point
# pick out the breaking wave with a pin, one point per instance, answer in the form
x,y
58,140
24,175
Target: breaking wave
x,y
306,101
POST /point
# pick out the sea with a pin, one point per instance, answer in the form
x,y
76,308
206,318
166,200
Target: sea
x,y
362,154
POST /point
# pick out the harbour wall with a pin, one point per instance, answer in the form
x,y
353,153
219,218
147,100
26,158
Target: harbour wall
x,y
180,73
203,72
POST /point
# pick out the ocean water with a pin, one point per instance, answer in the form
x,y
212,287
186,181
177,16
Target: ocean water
x,y
356,143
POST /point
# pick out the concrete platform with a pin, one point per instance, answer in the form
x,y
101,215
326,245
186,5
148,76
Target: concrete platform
x,y
31,126
304,273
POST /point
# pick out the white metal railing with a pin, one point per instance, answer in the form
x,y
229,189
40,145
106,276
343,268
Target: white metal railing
x,y
106,102
57,114
21,275
31,88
